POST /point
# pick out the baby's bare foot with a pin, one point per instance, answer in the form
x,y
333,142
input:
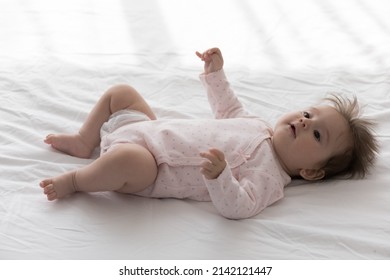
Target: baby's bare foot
x,y
71,144
60,186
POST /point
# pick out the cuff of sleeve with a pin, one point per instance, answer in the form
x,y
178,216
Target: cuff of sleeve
x,y
218,184
207,78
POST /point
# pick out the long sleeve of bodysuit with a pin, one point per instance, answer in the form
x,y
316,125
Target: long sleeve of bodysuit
x,y
224,103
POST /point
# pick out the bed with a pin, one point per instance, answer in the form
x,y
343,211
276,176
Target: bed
x,y
58,57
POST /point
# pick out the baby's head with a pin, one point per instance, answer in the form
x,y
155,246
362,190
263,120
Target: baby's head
x,y
325,140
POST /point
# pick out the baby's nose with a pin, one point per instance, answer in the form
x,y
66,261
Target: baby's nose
x,y
304,122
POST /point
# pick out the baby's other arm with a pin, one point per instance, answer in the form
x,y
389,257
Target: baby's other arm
x,y
213,60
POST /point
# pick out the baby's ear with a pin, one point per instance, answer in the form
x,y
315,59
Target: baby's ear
x,y
312,174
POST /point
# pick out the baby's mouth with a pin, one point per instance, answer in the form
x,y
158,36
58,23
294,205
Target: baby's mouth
x,y
293,130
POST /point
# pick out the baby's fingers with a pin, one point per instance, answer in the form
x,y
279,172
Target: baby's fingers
x,y
210,157
198,54
218,154
215,156
206,55
207,173
214,50
207,165
209,170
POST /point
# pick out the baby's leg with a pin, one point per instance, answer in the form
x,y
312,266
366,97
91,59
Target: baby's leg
x,y
128,168
87,139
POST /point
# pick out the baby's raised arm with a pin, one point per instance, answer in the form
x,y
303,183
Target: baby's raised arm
x,y
222,99
213,60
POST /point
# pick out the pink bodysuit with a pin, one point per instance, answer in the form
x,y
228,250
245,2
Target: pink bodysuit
x,y
253,177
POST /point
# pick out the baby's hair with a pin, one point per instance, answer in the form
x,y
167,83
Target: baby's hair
x,y
358,158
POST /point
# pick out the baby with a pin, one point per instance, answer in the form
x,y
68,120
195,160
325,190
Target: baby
x,y
235,160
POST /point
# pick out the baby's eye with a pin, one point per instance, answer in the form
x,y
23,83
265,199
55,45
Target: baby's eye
x,y
317,135
306,115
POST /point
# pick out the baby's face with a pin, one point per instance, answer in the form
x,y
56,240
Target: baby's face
x,y
307,139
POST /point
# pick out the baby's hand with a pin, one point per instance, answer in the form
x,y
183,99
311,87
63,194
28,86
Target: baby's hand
x,y
214,165
213,60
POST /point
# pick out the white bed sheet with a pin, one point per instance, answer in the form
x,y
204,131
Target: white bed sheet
x,y
58,57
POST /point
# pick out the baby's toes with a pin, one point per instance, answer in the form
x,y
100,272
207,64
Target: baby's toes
x,y
52,196
48,189
49,139
45,183
50,192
